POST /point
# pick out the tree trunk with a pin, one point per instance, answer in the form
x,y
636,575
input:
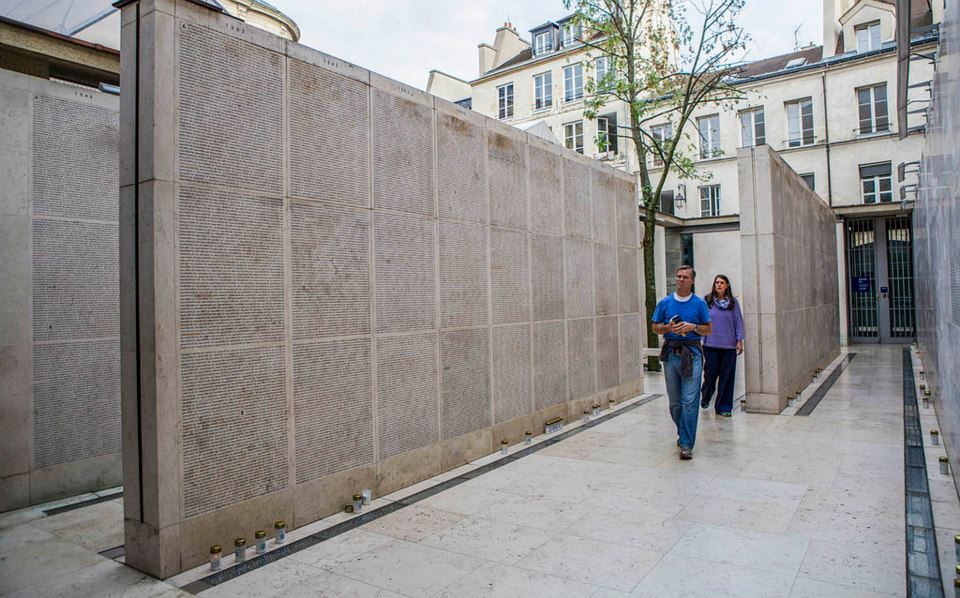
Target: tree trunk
x,y
650,281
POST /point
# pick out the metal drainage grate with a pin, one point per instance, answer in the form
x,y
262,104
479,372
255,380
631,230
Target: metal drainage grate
x,y
825,387
923,562
82,504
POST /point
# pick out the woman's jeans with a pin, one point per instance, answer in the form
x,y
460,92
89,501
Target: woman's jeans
x,y
719,372
684,394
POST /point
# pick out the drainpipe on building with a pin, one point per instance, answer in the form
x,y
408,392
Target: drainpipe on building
x,y
826,132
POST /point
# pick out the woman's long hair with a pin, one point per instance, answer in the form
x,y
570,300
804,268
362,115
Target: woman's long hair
x,y
709,298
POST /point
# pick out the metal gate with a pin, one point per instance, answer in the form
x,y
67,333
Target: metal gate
x,y
880,266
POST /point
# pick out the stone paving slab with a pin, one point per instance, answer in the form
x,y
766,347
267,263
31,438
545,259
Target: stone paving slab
x,y
770,505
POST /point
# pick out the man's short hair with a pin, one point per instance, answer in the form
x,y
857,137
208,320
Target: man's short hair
x,y
693,272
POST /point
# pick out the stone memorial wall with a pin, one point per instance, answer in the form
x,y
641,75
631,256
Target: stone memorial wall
x,y
789,268
344,283
936,247
59,295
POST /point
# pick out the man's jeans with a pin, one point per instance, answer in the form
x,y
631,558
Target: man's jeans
x,y
684,394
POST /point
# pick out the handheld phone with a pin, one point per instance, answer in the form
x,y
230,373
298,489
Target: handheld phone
x,y
674,319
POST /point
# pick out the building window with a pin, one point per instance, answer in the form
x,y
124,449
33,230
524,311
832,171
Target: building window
x,y
752,130
709,201
666,202
505,101
607,140
573,136
809,180
800,122
543,43
571,34
875,183
868,36
572,82
603,66
542,90
661,135
872,106
709,128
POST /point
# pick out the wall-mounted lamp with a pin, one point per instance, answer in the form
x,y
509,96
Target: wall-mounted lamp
x,y
681,199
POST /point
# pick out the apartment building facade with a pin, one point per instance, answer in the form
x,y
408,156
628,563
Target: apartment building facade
x,y
828,110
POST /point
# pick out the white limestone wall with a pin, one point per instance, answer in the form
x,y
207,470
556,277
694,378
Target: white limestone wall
x,y
345,283
789,267
936,249
59,293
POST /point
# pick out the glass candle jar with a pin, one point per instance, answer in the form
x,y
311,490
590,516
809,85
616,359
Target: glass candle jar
x,y
261,537
240,550
281,530
216,557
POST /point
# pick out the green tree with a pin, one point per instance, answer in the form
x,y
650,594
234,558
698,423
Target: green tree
x,y
664,59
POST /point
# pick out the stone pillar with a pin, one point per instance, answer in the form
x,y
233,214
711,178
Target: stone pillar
x,y
148,338
789,261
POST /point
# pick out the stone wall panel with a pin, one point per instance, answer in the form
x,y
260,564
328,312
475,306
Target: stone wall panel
x,y
460,174
511,372
330,250
402,154
333,407
329,146
464,382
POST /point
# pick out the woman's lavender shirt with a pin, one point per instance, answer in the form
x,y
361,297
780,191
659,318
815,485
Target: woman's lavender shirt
x,y
727,327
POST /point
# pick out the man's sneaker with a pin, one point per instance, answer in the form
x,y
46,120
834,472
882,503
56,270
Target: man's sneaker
x,y
724,413
705,403
685,453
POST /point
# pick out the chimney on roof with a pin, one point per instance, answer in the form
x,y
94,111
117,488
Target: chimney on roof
x,y
506,45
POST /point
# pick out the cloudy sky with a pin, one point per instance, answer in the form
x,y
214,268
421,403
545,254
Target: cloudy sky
x,y
405,39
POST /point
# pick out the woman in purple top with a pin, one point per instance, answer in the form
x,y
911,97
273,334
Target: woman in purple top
x,y
721,347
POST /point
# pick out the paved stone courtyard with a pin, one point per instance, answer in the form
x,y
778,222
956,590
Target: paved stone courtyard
x,y
769,506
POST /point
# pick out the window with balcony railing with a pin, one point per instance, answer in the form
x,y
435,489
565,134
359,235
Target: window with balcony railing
x,y
573,136
799,122
661,135
542,91
752,128
872,109
709,130
572,82
505,101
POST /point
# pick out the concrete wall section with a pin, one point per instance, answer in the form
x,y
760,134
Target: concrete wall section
x,y
344,283
936,247
789,269
59,328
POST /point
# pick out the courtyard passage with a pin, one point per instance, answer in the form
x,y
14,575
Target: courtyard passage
x,y
787,505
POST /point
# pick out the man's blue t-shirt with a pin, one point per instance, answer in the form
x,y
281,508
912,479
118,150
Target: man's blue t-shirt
x,y
692,309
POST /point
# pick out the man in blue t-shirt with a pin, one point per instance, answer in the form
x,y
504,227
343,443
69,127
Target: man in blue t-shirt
x,y
683,319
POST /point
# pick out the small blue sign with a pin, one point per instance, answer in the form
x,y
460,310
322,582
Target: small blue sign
x,y
861,284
